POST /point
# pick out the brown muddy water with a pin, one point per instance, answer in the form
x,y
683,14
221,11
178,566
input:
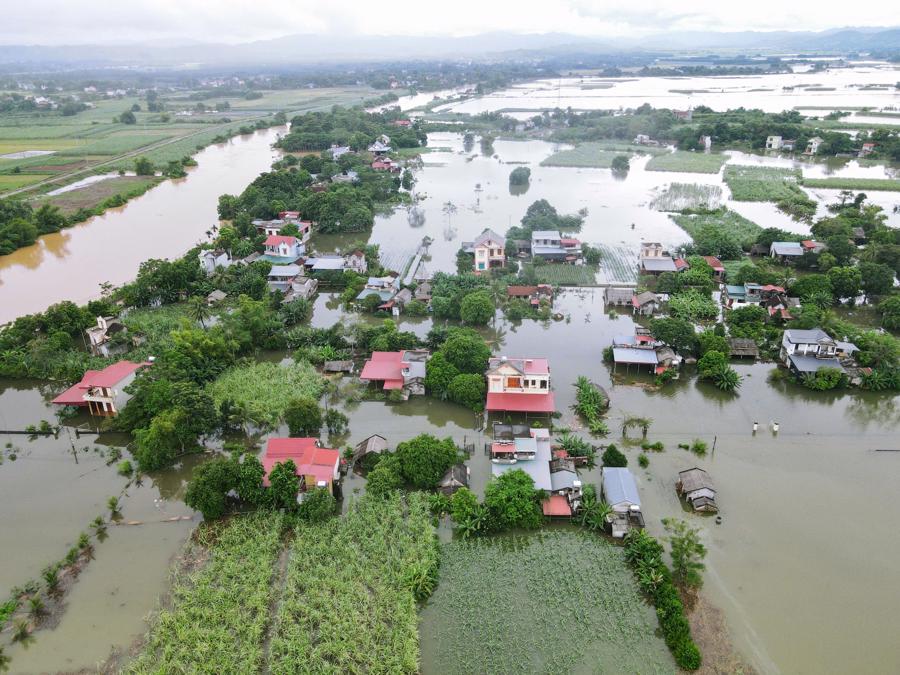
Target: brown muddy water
x,y
163,223
803,564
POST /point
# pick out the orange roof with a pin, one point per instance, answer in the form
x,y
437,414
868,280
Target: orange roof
x,y
556,505
108,377
278,239
310,459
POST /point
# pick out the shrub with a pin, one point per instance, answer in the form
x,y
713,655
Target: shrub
x,y
612,456
424,459
317,506
643,461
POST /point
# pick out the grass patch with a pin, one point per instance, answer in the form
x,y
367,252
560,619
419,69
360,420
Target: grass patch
x,y
556,601
349,603
264,389
681,196
220,613
586,155
687,162
565,275
853,183
16,180
733,224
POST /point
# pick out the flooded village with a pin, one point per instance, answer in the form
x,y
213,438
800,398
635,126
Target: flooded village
x,y
481,330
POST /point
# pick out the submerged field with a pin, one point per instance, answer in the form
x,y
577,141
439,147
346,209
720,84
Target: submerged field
x,y
597,155
688,162
555,601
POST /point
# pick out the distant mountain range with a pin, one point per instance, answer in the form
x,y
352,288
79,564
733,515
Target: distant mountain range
x,y
317,48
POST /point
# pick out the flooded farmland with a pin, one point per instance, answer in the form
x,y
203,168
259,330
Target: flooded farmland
x,y
803,564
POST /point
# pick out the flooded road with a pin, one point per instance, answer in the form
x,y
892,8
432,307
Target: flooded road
x,y
163,223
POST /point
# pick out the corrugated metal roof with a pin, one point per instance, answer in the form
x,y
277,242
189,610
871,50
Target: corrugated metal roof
x,y
619,486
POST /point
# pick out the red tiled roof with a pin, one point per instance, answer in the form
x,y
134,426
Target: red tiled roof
x,y
772,287
497,448
520,291
714,262
569,242
386,366
499,402
284,215
556,505
310,459
680,264
278,239
108,377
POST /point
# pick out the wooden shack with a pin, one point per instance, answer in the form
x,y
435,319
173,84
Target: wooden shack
x,y
743,347
457,477
696,487
373,444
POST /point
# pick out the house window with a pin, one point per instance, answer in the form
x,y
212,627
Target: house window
x,y
481,265
543,384
514,383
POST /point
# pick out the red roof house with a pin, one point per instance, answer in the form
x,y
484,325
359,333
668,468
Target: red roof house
x,y
556,506
284,246
396,370
519,385
680,264
316,467
102,391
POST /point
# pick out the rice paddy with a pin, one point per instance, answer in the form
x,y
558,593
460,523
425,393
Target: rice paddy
x,y
618,264
853,183
681,196
219,615
555,601
687,162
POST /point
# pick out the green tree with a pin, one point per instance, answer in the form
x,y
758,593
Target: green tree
x,y
168,436
424,459
845,281
439,373
466,350
318,505
385,477
511,501
520,176
620,164
127,117
49,218
468,389
284,484
209,486
614,457
143,167
250,481
335,421
196,355
877,279
677,333
709,341
198,310
303,417
687,552
890,312
710,363
467,513
477,308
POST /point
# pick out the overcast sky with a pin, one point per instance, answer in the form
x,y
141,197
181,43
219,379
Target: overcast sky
x,y
114,21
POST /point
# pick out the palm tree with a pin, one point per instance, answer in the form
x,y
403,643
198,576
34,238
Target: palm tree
x,y
198,310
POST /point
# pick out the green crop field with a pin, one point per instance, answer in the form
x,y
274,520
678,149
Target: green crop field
x,y
761,183
687,162
853,183
555,601
13,181
597,155
732,224
565,275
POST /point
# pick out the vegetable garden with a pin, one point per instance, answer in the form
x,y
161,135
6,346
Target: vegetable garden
x,y
556,601
681,196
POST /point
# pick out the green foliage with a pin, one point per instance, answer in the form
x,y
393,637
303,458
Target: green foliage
x,y
824,379
124,468
643,461
259,393
590,404
284,484
687,552
168,436
722,233
225,603
520,176
385,478
620,164
143,167
676,332
687,197
476,308
468,389
209,485
511,501
318,505
614,457
687,162
846,282
692,305
303,417
424,459
890,312
708,341
360,575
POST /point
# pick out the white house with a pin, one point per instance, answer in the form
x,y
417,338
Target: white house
x,y
519,385
269,228
213,259
281,276
282,246
356,261
547,244
101,334
812,147
773,143
806,351
102,392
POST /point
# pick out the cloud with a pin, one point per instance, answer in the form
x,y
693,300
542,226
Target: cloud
x,y
102,21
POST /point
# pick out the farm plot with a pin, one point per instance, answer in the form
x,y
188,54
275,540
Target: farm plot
x,y
556,601
349,603
687,162
586,155
728,223
761,183
565,275
853,183
119,142
618,264
220,613
681,196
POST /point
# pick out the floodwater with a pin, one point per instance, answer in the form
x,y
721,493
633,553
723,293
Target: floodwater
x,y
163,223
831,89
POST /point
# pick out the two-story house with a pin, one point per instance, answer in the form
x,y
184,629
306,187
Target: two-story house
x,y
654,260
489,249
532,454
806,351
102,392
304,227
100,335
281,246
547,244
519,385
213,259
773,143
